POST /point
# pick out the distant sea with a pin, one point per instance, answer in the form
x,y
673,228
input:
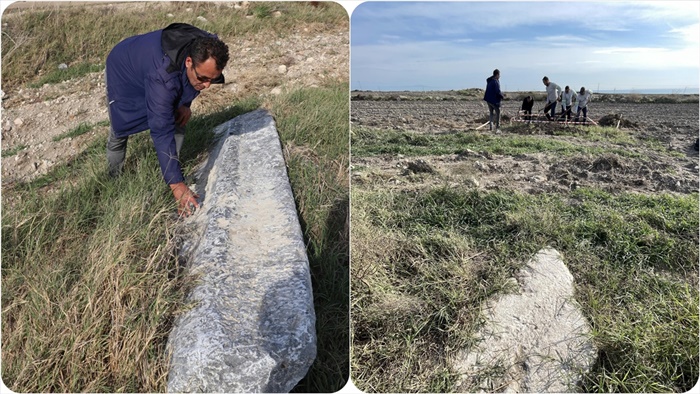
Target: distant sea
x,y
605,91
651,91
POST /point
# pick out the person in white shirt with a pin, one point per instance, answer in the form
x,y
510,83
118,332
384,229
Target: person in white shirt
x,y
553,93
582,99
568,96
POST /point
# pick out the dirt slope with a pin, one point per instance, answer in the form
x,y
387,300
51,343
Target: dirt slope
x,y
260,64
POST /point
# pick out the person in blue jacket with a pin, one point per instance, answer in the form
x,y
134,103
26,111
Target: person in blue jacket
x,y
151,81
493,97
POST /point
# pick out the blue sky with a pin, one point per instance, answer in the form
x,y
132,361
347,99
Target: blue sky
x,y
623,46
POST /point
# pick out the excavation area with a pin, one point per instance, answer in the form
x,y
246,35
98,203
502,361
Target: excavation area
x,y
446,215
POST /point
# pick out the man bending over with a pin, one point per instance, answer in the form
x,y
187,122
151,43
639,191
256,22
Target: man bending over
x,y
151,81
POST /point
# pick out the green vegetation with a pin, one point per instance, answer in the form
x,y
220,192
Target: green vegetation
x,y
67,74
81,129
101,255
314,130
36,42
91,279
370,141
14,151
424,260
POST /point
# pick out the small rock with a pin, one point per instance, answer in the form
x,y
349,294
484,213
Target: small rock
x,y
282,69
170,15
201,18
188,9
276,91
473,182
469,152
277,14
62,66
420,166
19,122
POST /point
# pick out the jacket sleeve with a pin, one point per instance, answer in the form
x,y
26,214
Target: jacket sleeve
x,y
161,98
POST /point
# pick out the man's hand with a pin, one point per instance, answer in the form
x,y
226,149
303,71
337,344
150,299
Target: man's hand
x,y
186,199
182,116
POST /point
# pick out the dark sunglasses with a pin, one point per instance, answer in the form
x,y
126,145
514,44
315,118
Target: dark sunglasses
x,y
199,77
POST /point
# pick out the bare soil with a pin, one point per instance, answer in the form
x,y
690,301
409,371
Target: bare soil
x,y
312,55
660,138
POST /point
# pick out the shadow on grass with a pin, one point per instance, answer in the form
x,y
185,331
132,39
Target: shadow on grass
x,y
329,264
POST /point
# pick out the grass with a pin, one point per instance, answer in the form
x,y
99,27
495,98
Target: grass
x,y
75,257
370,142
37,41
67,74
422,261
91,279
82,128
314,131
14,151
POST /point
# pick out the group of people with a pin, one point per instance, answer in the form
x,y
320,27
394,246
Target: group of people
x,y
567,97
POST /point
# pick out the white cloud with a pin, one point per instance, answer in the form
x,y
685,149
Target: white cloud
x,y
572,51
689,34
561,39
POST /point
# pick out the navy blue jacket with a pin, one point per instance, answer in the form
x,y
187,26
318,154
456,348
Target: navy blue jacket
x,y
145,87
493,93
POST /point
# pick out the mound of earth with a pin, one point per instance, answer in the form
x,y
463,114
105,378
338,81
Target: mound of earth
x,y
617,120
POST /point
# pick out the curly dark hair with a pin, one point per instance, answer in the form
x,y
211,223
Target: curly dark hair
x,y
205,47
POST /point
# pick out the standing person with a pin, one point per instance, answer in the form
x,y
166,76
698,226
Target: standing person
x,y
493,97
582,99
151,81
568,96
553,93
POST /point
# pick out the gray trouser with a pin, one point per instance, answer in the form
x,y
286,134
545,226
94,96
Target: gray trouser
x,y
116,149
494,112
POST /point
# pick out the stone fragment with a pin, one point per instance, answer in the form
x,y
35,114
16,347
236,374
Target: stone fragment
x,y
252,325
538,338
282,69
420,165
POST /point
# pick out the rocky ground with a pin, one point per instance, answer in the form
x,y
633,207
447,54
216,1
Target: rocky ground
x,y
265,64
659,140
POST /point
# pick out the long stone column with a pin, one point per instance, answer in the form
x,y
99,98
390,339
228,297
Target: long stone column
x,y
252,327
